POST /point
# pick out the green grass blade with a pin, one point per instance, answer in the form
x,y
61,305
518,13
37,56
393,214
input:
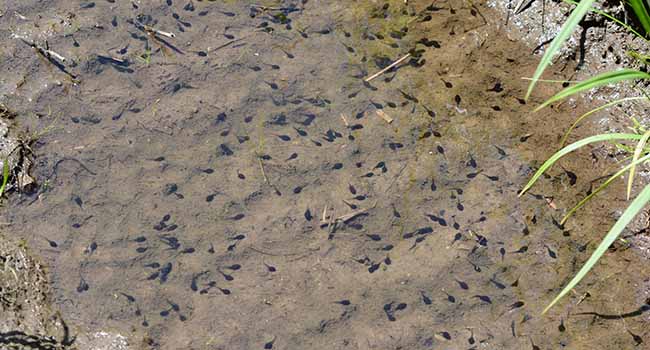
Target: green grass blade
x,y
638,56
599,80
602,187
551,80
611,18
630,212
637,154
565,32
624,148
572,147
609,104
5,176
641,14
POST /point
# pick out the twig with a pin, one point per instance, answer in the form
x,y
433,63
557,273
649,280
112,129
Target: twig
x,y
153,30
45,51
20,16
266,179
345,120
384,116
233,41
324,213
167,34
396,177
269,8
388,68
354,214
56,55
226,44
332,223
523,4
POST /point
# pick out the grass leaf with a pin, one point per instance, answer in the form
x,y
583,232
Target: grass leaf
x,y
637,154
599,80
602,187
5,176
567,29
641,13
630,212
572,147
611,18
575,124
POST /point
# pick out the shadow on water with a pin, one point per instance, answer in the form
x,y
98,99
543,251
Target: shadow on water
x,y
28,341
256,193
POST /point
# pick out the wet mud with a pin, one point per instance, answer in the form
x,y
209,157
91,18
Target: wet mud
x,y
239,185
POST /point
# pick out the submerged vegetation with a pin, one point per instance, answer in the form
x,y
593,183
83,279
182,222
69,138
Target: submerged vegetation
x,y
639,154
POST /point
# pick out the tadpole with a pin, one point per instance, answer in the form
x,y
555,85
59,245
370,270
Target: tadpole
x,y
462,284
425,299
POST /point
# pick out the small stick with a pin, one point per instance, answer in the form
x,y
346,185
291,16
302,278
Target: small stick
x,y
345,120
266,179
269,8
384,116
397,177
388,68
167,34
56,55
20,16
230,42
154,30
354,214
324,213
331,225
226,44
523,4
116,59
263,172
44,51
584,296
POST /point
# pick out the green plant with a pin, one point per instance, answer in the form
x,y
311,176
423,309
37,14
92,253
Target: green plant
x,y
641,12
632,210
640,153
637,153
602,187
572,147
594,82
565,32
145,58
614,19
582,117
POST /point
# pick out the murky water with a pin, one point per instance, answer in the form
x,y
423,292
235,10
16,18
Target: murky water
x,y
190,186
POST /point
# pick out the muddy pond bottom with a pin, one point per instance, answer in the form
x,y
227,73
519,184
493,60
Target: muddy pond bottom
x,y
239,186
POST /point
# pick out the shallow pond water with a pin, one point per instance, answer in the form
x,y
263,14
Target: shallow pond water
x,y
190,186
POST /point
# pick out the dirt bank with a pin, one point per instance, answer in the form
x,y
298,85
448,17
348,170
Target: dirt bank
x,y
29,321
598,45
